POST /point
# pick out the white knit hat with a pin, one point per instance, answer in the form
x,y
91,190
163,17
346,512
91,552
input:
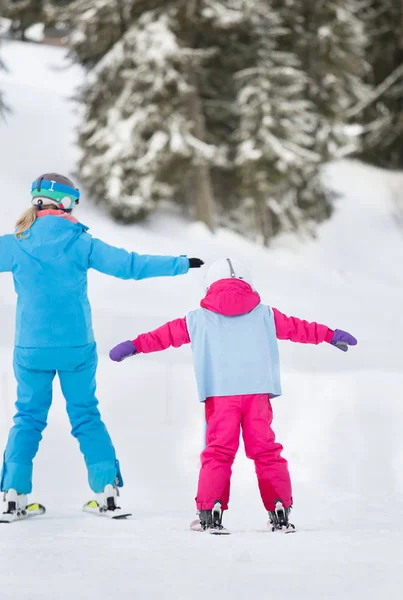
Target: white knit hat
x,y
227,268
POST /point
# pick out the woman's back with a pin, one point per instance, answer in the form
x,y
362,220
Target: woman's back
x,y
49,267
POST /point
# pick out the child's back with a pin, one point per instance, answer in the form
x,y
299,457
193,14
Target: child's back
x,y
234,342
50,276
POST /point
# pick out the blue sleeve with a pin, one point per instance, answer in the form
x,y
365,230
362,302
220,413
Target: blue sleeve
x,y
129,265
6,253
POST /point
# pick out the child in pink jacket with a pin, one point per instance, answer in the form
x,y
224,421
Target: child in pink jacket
x,y
234,344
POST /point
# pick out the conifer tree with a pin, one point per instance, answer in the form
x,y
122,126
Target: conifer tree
x,y
146,135
277,125
226,106
329,37
381,112
99,24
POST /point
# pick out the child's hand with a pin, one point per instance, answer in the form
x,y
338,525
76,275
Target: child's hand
x,y
342,340
195,263
122,351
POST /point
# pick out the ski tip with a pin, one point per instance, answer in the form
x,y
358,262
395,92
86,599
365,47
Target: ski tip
x,y
93,508
217,531
36,508
91,504
195,525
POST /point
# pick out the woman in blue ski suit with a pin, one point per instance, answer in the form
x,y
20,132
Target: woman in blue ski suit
x,y
49,256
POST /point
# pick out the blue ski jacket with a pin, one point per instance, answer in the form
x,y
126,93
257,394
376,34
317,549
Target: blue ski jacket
x,y
49,268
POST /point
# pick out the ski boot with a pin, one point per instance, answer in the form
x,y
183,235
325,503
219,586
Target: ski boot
x,y
106,504
14,503
16,507
211,521
278,519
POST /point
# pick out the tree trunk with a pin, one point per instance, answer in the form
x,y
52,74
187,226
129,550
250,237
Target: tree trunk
x,y
122,19
202,179
263,221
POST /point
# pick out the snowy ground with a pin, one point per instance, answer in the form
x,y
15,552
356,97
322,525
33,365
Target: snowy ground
x,y
340,418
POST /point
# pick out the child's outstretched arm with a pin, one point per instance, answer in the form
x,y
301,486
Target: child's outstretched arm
x,y
175,334
130,265
297,330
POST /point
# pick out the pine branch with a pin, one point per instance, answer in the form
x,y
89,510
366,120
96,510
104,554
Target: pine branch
x,y
378,91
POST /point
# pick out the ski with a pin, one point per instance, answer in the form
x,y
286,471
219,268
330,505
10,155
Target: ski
x,y
93,508
285,529
31,510
196,526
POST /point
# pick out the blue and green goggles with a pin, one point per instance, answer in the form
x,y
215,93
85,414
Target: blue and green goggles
x,y
64,196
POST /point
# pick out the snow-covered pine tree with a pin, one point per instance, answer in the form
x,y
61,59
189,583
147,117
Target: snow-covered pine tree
x,y
99,24
277,128
137,141
330,40
201,97
145,136
218,26
381,112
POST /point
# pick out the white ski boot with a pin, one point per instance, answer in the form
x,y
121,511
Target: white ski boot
x,y
14,501
16,507
106,504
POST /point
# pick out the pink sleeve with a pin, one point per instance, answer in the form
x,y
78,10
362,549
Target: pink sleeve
x,y
296,330
175,333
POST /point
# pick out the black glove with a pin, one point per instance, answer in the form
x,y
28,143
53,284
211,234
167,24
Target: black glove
x,y
195,263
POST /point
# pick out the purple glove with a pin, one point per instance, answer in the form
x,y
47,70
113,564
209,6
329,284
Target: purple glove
x,y
122,351
342,340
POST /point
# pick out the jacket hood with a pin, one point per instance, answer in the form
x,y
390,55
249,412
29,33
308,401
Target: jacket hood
x,y
50,236
230,297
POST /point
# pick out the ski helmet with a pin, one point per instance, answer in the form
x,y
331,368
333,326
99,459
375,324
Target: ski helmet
x,y
227,268
52,188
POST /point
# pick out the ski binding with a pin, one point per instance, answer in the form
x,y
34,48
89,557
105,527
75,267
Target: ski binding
x,y
31,510
94,508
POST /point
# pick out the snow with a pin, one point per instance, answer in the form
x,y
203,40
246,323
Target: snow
x,y
4,25
35,33
224,16
340,419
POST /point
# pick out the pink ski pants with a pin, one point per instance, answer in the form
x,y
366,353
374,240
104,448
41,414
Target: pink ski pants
x,y
225,416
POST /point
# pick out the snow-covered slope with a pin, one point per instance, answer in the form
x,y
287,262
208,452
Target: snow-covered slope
x,y
340,417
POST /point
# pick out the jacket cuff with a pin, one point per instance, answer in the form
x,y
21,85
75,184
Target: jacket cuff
x,y
185,264
137,345
328,338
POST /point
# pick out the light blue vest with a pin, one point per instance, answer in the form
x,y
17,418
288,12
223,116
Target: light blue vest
x,y
235,355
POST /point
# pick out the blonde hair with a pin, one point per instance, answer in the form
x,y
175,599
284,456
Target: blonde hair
x,y
27,219
25,222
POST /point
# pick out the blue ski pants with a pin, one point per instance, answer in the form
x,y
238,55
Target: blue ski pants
x,y
35,369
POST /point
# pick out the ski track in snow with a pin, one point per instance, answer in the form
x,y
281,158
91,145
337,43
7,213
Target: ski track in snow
x,y
340,418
